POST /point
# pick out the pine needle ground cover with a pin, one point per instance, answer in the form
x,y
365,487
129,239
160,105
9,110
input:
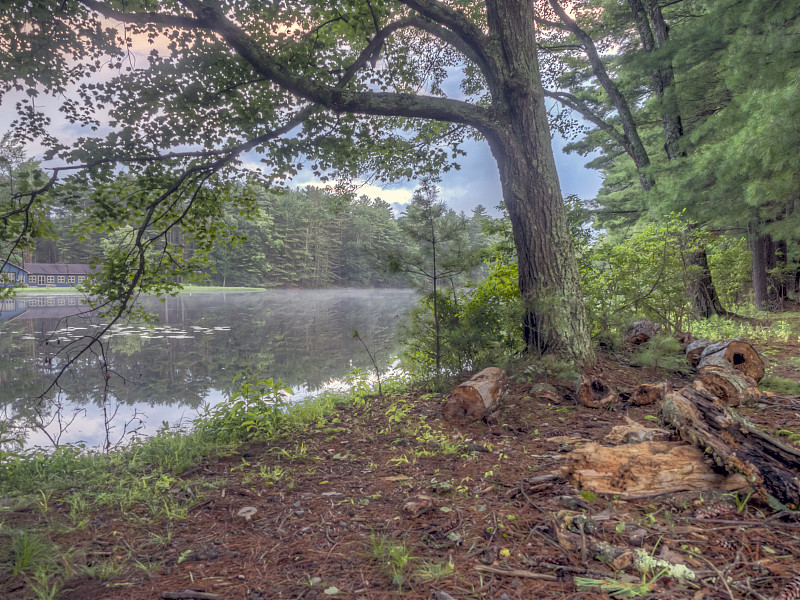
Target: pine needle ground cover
x,y
379,498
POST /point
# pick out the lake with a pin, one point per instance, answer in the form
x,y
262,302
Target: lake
x,y
166,371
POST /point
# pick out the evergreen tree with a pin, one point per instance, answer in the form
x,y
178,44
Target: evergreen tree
x,y
437,255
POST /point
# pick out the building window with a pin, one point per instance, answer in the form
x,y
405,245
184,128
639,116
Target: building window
x,y
81,278
71,279
61,279
51,279
42,279
21,277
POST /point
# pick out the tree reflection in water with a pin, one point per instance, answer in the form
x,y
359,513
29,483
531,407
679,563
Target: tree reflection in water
x,y
190,356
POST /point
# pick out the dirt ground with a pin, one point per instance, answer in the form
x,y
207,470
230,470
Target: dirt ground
x,y
372,505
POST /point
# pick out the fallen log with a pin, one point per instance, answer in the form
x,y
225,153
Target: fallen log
x,y
771,467
648,393
694,349
719,378
595,393
740,354
640,332
473,399
644,470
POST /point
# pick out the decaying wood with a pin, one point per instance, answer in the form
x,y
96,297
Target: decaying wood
x,y
719,378
694,349
636,433
648,393
643,470
640,331
770,466
595,393
474,398
740,354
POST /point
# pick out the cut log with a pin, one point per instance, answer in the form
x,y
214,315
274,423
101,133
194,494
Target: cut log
x,y
646,469
474,398
648,393
771,467
740,354
640,331
720,379
694,349
595,393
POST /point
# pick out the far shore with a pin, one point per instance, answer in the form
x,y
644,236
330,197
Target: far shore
x,y
192,289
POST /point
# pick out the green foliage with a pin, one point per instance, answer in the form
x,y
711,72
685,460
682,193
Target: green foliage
x,y
779,385
661,352
256,410
393,558
647,275
478,326
730,262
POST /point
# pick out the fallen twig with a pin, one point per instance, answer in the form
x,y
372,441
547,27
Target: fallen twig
x,y
515,573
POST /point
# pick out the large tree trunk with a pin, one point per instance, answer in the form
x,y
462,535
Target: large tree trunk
x,y
555,320
701,289
758,248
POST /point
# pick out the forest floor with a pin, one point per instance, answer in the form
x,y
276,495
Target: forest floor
x,y
389,501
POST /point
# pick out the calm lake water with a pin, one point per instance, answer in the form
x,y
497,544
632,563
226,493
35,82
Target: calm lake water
x,y
167,371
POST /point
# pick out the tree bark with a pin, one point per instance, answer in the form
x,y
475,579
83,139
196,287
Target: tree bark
x,y
695,350
555,319
770,466
758,249
717,377
741,356
701,288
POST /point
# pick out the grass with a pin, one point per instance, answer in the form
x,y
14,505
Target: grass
x,y
779,385
66,487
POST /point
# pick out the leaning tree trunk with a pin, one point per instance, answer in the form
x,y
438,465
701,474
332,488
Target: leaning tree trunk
x,y
555,319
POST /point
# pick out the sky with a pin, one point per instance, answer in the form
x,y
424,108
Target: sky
x,y
478,180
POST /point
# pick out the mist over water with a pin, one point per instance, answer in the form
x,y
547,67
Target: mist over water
x,y
165,371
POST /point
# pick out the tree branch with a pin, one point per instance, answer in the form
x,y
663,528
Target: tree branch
x,y
573,102
336,98
453,20
143,18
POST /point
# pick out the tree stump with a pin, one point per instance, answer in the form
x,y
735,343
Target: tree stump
x,y
720,379
740,354
640,331
595,393
771,467
694,349
474,398
648,393
643,470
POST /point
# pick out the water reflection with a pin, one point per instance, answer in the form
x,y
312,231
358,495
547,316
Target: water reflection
x,y
190,356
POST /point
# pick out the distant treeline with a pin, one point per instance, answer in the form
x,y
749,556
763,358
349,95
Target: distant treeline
x,y
305,238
